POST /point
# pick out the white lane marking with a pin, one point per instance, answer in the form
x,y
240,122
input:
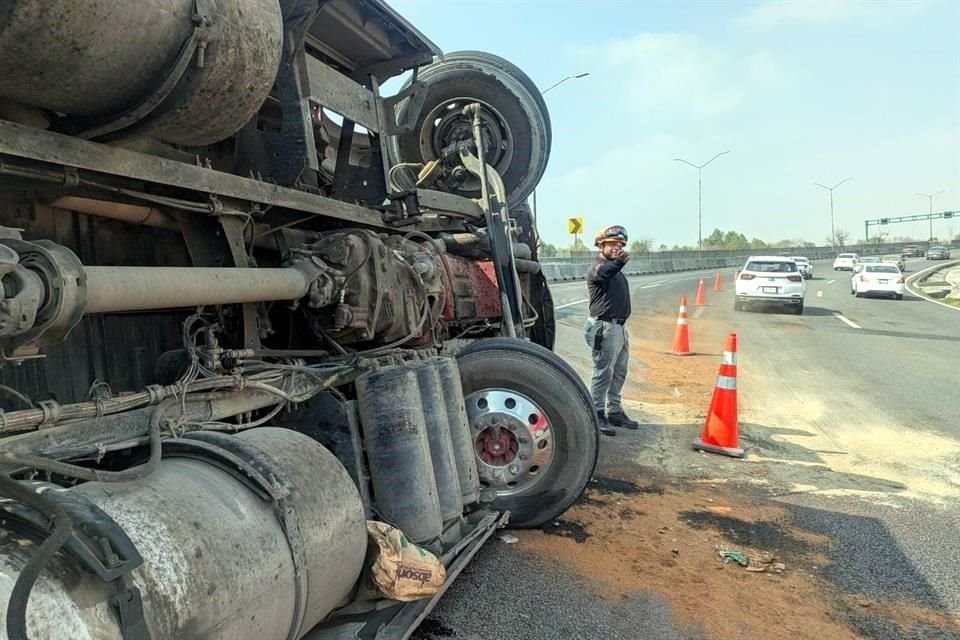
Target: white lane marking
x,y
830,281
847,321
570,304
651,286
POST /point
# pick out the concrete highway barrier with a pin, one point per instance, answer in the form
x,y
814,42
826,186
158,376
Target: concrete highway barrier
x,y
575,268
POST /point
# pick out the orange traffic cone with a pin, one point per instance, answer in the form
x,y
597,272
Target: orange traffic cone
x,y
716,282
700,301
681,337
720,433
733,280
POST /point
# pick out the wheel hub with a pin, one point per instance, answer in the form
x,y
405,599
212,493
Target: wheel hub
x,y
446,125
512,437
497,446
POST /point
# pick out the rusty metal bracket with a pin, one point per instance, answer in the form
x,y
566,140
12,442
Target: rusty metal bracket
x,y
217,240
202,13
403,209
71,177
393,122
128,606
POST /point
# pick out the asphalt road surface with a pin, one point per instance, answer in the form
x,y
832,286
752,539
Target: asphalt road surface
x,y
853,408
868,386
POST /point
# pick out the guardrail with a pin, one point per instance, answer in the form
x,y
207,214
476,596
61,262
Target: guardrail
x,y
575,267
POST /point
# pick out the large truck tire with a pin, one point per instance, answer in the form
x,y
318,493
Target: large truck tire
x,y
534,428
514,116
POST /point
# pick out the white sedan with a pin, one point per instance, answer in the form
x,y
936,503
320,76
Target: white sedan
x,y
805,266
770,280
845,261
880,279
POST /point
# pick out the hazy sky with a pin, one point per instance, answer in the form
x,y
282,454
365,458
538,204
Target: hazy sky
x,y
799,92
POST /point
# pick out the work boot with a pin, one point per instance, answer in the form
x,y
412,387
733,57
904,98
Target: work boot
x,y
620,419
605,428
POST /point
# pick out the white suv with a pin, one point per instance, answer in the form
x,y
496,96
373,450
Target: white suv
x,y
770,280
805,266
845,262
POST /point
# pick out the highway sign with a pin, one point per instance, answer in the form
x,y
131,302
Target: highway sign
x,y
575,226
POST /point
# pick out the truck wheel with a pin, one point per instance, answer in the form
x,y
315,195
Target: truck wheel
x,y
514,117
534,428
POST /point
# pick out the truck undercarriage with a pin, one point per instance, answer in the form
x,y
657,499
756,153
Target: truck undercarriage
x,y
249,304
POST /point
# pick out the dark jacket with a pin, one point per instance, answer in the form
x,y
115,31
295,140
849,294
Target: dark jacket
x,y
609,291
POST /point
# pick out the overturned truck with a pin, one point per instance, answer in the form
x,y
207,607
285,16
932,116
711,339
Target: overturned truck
x,y
251,302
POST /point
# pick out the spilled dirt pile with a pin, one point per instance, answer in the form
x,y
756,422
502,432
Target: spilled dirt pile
x,y
623,537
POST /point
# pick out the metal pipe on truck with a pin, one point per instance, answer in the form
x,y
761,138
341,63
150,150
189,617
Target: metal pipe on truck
x,y
115,289
157,218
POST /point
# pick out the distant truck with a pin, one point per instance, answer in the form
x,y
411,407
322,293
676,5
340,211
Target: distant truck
x,y
250,303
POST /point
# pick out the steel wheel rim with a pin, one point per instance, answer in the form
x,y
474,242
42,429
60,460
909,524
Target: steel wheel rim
x,y
513,440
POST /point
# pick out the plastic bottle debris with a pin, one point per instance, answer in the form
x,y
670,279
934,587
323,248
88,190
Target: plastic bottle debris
x,y
730,555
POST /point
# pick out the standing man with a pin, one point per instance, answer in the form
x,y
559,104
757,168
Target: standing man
x,y
606,329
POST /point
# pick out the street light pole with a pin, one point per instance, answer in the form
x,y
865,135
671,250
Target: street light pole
x,y
553,86
699,168
833,231
562,80
929,197
699,212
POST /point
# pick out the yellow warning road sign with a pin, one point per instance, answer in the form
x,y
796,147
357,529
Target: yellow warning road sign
x,y
575,225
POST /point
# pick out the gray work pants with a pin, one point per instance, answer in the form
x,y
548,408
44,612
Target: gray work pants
x,y
610,344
